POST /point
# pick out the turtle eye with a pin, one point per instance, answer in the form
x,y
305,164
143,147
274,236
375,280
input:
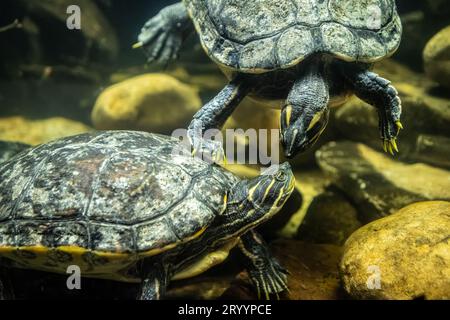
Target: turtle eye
x,y
280,176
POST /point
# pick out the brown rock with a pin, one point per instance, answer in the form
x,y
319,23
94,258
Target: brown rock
x,y
436,56
314,272
151,102
377,184
19,129
403,256
330,219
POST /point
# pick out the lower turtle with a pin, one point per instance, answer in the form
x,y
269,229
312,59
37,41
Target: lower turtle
x,y
134,207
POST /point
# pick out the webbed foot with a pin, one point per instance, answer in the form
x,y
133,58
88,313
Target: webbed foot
x,y
207,149
380,93
269,280
389,115
265,272
162,36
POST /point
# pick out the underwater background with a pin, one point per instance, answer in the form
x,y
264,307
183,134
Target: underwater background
x,y
56,82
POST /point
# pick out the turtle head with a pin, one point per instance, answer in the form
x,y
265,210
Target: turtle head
x,y
252,202
301,130
305,115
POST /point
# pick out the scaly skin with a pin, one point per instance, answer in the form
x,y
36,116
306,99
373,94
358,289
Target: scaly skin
x,y
378,92
265,272
163,35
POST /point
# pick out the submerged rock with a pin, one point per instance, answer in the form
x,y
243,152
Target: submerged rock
x,y
377,184
313,272
330,219
152,102
433,149
404,256
436,57
35,132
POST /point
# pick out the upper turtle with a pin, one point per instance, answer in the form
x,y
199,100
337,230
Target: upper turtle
x,y
258,36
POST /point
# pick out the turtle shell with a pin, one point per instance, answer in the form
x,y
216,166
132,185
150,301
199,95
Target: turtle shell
x,y
257,36
104,200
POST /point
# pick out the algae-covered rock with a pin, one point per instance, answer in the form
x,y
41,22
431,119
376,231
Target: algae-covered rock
x,y
330,219
151,102
33,132
403,256
313,272
377,184
436,56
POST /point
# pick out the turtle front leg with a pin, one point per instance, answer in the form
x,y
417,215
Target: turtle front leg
x,y
155,282
378,92
265,272
163,35
214,115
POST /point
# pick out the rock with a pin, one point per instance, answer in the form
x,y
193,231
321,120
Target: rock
x,y
314,272
438,8
10,149
403,256
330,219
95,27
418,27
310,184
422,113
436,56
150,102
35,132
433,149
377,184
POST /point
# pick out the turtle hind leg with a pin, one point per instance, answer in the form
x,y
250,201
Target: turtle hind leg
x,y
155,282
162,36
214,114
265,272
378,92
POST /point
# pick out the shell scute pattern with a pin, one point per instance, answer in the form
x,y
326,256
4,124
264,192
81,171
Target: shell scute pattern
x,y
263,35
108,192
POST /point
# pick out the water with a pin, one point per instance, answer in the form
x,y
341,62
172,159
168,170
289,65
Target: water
x,y
53,78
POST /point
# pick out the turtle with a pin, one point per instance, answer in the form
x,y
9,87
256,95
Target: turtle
x,y
301,56
135,207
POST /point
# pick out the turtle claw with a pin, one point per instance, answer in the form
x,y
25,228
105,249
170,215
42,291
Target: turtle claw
x,y
399,125
137,45
390,146
269,282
